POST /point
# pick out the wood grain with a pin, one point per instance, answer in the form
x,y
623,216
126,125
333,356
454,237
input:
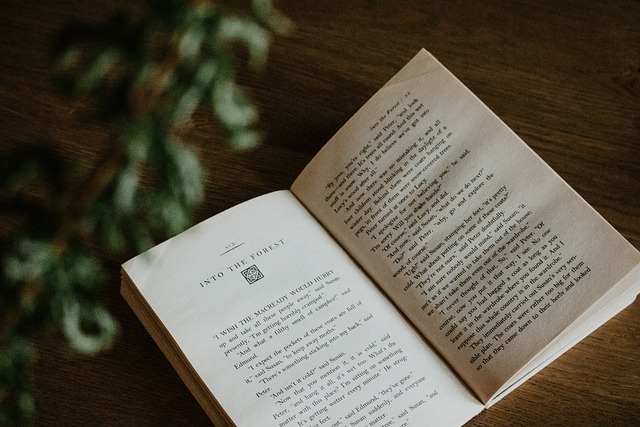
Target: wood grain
x,y
564,75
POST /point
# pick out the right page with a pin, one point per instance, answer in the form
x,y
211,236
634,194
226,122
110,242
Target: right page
x,y
489,253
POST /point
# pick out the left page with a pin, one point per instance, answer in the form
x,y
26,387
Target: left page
x,y
282,328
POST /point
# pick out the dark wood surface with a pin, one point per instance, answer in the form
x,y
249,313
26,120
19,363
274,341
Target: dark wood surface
x,y
564,75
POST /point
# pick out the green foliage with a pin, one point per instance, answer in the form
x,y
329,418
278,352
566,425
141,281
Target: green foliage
x,y
147,75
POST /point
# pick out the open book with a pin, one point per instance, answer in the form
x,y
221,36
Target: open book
x,y
423,264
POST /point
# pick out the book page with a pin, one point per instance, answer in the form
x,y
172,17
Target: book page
x,y
488,252
284,329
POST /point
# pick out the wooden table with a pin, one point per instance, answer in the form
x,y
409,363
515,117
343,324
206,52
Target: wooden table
x,y
564,75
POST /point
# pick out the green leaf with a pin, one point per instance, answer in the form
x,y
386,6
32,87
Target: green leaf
x,y
269,16
185,174
29,260
125,191
252,35
186,104
191,42
245,140
206,73
87,328
98,70
232,106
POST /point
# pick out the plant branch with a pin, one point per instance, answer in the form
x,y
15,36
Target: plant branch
x,y
87,193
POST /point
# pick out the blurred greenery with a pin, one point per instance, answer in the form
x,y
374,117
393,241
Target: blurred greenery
x,y
147,73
